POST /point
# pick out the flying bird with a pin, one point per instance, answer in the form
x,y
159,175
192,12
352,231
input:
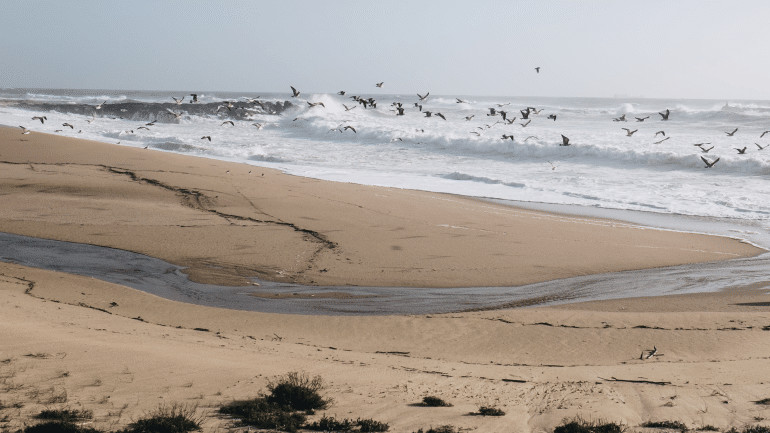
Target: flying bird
x,y
460,101
194,98
620,119
564,141
537,69
67,124
380,84
341,93
741,151
552,117
664,115
294,92
99,107
661,141
207,137
349,108
467,118
441,116
760,147
660,133
258,125
709,164
350,128
506,137
531,136
42,119
641,119
524,125
176,115
423,97
313,104
730,134
178,101
763,134
706,150
24,131
226,122
629,132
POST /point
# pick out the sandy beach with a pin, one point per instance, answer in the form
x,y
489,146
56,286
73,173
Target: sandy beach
x,y
80,342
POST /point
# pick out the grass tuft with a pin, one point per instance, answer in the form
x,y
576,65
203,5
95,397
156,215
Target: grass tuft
x,y
439,429
59,427
298,391
70,415
489,411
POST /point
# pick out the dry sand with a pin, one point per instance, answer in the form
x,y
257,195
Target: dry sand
x,y
73,341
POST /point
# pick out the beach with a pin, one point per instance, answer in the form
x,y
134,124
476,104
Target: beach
x,y
120,352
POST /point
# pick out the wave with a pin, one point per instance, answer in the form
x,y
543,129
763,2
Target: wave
x,y
159,111
467,177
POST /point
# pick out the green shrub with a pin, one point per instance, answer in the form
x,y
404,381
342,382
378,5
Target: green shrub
x,y
298,392
330,424
490,411
167,419
434,401
673,425
370,425
65,414
579,425
440,429
261,413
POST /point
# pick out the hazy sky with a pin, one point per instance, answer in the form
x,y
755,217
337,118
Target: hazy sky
x,y
650,48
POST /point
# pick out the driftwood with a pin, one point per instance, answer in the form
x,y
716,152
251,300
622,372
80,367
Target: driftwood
x,y
651,382
515,380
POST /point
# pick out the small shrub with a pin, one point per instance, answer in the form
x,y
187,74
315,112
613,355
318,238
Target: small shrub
x,y
370,425
298,392
59,427
765,401
708,427
673,425
167,419
433,401
756,429
490,411
440,429
65,414
330,424
579,425
261,413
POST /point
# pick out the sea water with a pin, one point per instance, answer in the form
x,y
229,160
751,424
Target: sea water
x,y
603,170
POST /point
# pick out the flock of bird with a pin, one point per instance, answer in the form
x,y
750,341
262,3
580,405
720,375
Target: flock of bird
x,y
501,115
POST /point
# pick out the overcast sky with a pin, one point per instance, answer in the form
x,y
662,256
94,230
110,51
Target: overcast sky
x,y
649,48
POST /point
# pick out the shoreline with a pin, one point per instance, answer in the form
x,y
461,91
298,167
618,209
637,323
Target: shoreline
x,y
313,232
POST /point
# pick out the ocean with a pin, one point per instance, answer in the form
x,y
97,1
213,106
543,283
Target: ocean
x,y
469,151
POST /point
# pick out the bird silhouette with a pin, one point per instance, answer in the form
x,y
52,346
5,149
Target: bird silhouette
x,y
708,163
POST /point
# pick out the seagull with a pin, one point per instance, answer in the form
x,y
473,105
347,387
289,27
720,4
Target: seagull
x,y
564,141
741,151
341,93
537,69
730,134
661,141
505,137
151,123
427,113
503,114
423,97
42,119
178,101
492,112
503,105
641,119
194,98
709,164
763,134
552,117
143,127
660,133
207,137
67,124
706,150
701,144
228,121
476,132
468,118
24,131
258,125
99,107
350,128
349,108
531,136
176,115
524,125
629,132
441,116
553,167
653,352
380,84
525,113
664,116
760,147
460,101
399,111
294,92
313,104
620,119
